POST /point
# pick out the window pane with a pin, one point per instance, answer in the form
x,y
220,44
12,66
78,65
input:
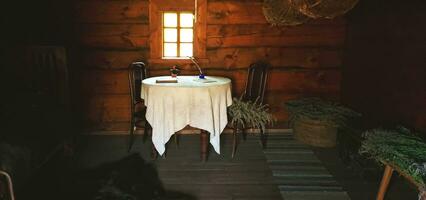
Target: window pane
x,y
185,49
170,19
170,35
170,50
186,35
186,20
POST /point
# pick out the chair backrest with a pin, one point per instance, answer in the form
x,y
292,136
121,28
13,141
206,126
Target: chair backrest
x,y
137,72
47,72
256,81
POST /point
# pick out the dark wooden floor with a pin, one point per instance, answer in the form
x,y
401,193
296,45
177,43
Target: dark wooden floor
x,y
300,175
359,187
247,176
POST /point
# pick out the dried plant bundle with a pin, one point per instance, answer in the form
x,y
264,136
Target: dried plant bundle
x,y
248,113
327,112
400,148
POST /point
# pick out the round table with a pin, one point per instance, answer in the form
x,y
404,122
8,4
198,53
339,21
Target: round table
x,y
199,103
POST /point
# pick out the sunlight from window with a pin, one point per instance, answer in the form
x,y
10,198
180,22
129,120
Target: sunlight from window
x,y
170,50
186,20
186,49
170,35
170,19
178,34
186,35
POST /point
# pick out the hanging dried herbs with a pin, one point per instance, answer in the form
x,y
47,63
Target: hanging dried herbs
x,y
323,8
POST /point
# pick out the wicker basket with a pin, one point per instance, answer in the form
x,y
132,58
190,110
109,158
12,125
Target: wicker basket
x,y
324,8
282,13
315,133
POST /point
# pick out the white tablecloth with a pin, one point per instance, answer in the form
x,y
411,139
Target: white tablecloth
x,y
172,106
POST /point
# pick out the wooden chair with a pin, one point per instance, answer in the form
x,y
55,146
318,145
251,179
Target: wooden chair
x,y
137,72
47,71
254,90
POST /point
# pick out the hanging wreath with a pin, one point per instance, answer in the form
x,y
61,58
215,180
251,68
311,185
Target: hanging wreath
x,y
323,8
281,12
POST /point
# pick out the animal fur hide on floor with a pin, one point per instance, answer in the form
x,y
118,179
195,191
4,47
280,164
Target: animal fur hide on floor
x,y
130,178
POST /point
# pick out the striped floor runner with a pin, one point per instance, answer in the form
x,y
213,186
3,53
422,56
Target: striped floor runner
x,y
298,172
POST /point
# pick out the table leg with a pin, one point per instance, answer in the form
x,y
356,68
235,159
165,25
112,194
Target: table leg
x,y
387,175
204,143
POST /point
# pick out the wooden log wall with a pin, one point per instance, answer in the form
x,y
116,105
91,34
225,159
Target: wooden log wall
x,y
110,34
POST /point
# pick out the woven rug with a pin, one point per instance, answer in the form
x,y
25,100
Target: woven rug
x,y
298,173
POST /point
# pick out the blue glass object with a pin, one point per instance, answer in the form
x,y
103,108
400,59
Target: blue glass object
x,y
201,76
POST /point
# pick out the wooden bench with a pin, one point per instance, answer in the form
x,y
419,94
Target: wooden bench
x,y
387,175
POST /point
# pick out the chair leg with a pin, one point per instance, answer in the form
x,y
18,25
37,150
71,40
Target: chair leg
x,y
235,142
263,138
131,135
9,185
145,131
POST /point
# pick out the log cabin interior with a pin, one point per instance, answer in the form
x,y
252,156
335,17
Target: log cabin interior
x,y
67,102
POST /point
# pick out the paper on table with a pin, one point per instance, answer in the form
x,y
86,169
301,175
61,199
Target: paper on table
x,y
166,81
204,80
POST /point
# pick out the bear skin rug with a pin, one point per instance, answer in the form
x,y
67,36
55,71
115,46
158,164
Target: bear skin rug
x,y
130,178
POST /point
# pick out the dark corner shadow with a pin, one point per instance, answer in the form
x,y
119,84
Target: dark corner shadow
x,y
130,178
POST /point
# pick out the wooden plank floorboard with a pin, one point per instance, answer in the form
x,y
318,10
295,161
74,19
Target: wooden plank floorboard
x,y
209,168
286,168
246,177
300,175
215,178
296,165
316,195
227,191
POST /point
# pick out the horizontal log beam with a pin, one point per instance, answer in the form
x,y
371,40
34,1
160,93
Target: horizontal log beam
x,y
247,12
233,12
104,82
126,42
135,11
305,82
103,30
221,59
106,108
236,58
111,59
226,30
334,39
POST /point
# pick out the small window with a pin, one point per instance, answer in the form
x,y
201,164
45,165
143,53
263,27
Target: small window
x,y
178,34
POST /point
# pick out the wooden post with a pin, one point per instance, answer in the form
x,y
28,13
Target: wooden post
x,y
204,145
387,175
